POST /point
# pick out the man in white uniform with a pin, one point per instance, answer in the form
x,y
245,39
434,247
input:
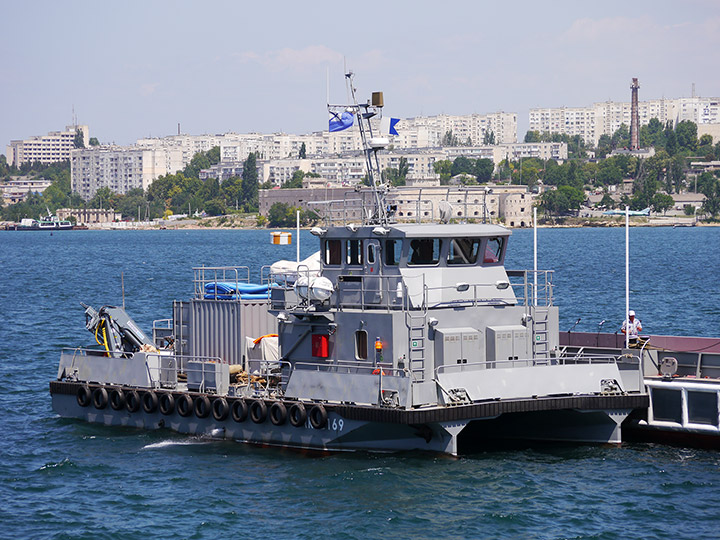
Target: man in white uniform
x,y
632,327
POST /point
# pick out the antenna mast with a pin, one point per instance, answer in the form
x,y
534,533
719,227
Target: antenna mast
x,y
363,112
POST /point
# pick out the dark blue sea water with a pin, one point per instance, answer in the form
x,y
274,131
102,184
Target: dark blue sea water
x,y
66,479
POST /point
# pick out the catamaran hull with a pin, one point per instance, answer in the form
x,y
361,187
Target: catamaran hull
x,y
448,430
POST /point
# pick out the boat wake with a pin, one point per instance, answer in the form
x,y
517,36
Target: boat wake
x,y
169,443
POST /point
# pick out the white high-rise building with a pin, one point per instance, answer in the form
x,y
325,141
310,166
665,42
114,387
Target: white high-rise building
x,y
50,148
121,168
604,118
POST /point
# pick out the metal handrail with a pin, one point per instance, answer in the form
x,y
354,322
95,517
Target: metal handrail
x,y
228,274
534,362
381,369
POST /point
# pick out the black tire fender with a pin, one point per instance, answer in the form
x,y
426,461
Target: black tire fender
x,y
239,410
202,406
258,411
100,398
167,403
184,404
132,401
149,401
278,413
117,399
84,395
220,409
298,415
318,417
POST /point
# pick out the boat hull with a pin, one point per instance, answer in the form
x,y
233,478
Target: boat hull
x,y
448,430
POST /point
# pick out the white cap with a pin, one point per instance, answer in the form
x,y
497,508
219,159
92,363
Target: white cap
x,y
631,313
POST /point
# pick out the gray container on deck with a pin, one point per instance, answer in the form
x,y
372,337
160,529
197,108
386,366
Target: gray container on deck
x,y
215,328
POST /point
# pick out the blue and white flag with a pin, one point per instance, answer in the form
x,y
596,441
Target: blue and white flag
x,y
387,126
340,122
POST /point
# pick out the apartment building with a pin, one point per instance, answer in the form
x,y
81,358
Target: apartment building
x,y
473,128
18,188
605,118
121,168
50,148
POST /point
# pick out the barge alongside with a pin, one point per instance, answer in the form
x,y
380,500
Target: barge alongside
x,y
409,337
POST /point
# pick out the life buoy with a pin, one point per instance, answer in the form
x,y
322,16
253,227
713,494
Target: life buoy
x,y
84,395
318,417
100,398
117,399
239,410
184,405
278,413
220,409
258,411
298,414
378,371
202,406
167,403
132,401
149,401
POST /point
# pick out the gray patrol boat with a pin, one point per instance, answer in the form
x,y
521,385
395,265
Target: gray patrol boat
x,y
408,336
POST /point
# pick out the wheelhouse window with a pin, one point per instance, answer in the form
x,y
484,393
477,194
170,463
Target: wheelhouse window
x,y
424,251
354,252
333,253
370,253
361,345
463,251
493,250
393,250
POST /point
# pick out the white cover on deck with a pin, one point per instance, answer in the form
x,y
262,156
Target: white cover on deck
x,y
289,270
261,355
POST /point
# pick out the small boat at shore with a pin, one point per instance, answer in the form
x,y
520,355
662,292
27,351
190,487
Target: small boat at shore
x,y
46,223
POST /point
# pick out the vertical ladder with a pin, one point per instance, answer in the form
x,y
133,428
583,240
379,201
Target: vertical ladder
x,y
540,333
416,323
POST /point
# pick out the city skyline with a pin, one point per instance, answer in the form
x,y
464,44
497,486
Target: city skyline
x,y
139,70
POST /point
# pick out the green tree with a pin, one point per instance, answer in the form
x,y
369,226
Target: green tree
x,y
296,180
103,198
711,190
215,207
94,142
561,200
662,202
621,137
250,184
79,141
231,191
705,140
671,145
686,135
489,137
484,169
303,151
449,139
132,204
281,215
532,136
461,164
443,167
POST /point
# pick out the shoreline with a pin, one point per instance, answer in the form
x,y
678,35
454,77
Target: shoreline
x,y
574,223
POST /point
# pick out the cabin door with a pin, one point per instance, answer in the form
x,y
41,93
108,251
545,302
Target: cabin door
x,y
372,280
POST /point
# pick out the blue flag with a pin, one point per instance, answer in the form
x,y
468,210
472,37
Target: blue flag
x,y
387,126
341,122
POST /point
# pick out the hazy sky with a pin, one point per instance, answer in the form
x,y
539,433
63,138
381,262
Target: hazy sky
x,y
133,69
